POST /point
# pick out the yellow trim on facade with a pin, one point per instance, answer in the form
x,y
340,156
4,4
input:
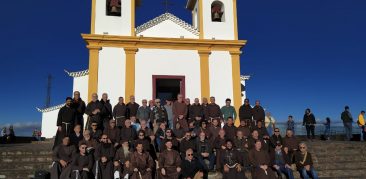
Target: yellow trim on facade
x,y
235,66
133,12
205,72
200,17
93,15
130,72
235,20
93,70
163,43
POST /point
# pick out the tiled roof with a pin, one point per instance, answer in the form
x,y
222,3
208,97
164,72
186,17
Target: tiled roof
x,y
164,17
52,108
78,73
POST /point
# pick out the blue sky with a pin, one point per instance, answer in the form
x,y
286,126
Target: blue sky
x,y
300,53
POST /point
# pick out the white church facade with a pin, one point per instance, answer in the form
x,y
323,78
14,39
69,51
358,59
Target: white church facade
x,y
160,58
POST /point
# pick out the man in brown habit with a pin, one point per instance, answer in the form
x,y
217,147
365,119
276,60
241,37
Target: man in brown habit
x,y
232,163
65,121
93,110
104,156
119,113
132,107
261,162
180,112
122,160
62,158
141,164
169,162
213,110
82,163
79,105
113,133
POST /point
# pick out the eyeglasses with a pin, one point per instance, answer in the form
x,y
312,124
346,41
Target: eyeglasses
x,y
302,147
189,154
104,138
277,131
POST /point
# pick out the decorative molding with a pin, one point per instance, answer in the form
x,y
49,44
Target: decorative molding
x,y
78,73
164,17
244,77
49,109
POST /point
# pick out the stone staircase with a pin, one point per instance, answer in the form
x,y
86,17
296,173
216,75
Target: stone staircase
x,y
339,159
332,159
22,160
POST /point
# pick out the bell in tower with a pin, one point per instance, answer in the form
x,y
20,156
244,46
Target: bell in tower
x,y
217,11
113,7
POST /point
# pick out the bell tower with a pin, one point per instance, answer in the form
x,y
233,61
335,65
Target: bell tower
x,y
113,17
215,19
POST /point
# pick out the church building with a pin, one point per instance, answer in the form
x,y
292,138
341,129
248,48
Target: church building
x,y
160,58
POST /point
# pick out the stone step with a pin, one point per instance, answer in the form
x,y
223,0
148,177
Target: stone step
x,y
24,166
341,165
26,159
344,173
332,159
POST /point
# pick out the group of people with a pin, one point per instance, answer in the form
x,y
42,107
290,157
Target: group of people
x,y
7,136
176,140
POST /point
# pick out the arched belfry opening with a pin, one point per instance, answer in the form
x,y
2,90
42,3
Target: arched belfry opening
x,y
113,7
217,11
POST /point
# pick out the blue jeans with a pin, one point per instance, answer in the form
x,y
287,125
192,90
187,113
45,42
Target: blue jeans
x,y
348,130
211,158
307,174
286,171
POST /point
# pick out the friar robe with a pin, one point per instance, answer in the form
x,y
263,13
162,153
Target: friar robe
x,y
91,144
79,106
93,117
128,134
113,134
180,108
122,156
66,153
185,145
218,143
230,131
169,160
258,113
119,114
214,131
106,113
78,164
96,134
104,170
66,120
240,146
213,111
75,139
195,110
231,158
262,131
257,158
246,114
141,161
132,109
245,130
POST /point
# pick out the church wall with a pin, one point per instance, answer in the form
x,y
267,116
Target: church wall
x,y
111,73
167,62
219,30
49,120
81,85
112,24
167,29
221,85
